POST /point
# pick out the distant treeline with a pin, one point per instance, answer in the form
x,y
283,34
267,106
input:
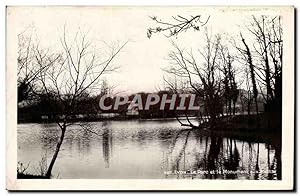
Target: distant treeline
x,y
45,108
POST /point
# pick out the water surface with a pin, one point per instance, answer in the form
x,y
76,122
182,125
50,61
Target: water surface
x,y
148,149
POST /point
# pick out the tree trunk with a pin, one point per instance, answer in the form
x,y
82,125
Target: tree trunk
x,y
229,103
256,105
63,130
251,66
248,107
234,105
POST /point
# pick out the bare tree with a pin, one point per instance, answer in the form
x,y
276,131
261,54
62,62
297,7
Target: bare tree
x,y
276,52
264,58
205,79
267,32
231,92
28,71
78,70
246,96
258,29
247,56
178,25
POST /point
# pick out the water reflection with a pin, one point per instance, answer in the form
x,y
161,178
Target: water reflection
x,y
222,158
107,146
149,149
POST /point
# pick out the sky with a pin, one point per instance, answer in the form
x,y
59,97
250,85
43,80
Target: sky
x,y
142,59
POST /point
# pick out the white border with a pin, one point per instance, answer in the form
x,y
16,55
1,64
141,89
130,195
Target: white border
x,y
63,184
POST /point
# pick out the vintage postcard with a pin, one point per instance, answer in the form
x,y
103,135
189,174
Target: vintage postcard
x,y
150,98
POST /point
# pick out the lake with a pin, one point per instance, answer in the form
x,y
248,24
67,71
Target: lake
x,y
144,149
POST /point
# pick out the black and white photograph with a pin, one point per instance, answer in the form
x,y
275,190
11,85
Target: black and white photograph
x,y
170,94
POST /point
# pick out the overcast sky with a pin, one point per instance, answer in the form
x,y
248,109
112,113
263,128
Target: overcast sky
x,y
142,59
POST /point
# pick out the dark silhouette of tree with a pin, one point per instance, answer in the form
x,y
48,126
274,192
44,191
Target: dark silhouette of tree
x,y
246,53
204,78
28,71
77,71
269,46
264,59
178,25
231,92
